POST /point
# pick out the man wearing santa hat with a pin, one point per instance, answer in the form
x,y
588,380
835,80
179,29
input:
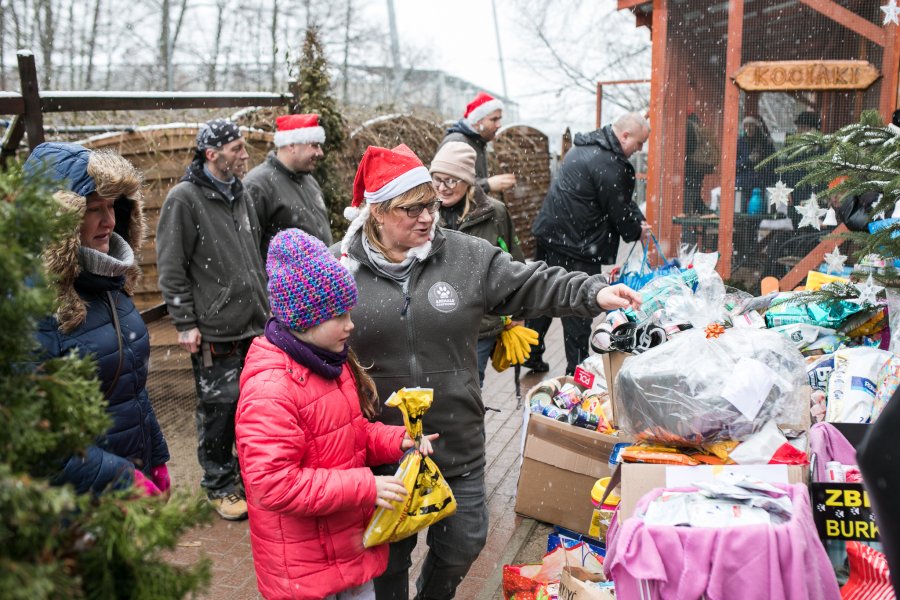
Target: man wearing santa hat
x,y
478,126
282,189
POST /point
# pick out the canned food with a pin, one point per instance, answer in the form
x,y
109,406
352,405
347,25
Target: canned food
x,y
567,397
539,400
549,387
555,412
834,472
582,418
592,402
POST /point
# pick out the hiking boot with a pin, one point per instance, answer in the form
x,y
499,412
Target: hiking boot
x,y
231,507
537,365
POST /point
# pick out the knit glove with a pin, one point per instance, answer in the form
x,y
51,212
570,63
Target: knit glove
x,y
160,476
143,485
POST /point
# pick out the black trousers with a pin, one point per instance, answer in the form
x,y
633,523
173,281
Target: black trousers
x,y
576,330
218,378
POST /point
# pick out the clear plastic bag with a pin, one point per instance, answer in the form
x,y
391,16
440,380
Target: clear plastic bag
x,y
694,390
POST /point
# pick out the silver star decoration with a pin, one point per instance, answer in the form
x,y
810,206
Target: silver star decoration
x,y
812,213
835,261
779,196
891,13
867,292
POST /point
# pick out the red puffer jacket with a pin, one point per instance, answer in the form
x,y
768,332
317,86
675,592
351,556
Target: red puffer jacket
x,y
304,446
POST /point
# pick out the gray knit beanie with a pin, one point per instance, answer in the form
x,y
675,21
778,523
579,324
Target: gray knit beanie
x,y
456,159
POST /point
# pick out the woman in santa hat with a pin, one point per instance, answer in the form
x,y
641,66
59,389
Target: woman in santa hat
x,y
422,294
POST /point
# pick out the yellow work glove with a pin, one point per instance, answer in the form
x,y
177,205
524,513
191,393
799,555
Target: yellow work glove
x,y
518,341
498,356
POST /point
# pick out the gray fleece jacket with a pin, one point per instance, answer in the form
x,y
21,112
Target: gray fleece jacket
x,y
210,271
426,335
284,199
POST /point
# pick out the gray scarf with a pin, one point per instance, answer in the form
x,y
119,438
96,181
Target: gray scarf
x,y
114,264
397,271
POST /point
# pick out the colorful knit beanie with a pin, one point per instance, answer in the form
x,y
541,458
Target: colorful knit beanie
x,y
307,285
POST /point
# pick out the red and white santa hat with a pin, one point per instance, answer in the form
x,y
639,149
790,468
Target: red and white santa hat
x,y
483,105
298,129
383,174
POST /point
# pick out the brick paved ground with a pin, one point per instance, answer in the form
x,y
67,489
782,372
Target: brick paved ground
x,y
510,537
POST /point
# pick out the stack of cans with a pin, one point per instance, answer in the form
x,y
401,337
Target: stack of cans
x,y
567,403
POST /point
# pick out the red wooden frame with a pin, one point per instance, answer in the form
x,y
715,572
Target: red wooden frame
x,y
663,166
730,132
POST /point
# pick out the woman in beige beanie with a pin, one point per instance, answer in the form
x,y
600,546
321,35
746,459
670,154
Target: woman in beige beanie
x,y
467,209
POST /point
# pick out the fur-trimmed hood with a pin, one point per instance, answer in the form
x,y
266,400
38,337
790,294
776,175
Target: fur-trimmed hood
x,y
80,172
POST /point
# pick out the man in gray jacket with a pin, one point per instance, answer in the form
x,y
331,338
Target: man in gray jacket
x,y
213,281
282,189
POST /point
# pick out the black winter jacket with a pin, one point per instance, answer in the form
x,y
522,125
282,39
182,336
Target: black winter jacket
x,y
589,206
461,132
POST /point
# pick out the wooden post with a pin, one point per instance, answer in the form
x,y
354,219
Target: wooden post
x,y
14,134
890,64
730,136
599,104
34,120
657,100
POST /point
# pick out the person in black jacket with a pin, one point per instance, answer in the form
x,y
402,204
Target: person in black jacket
x,y
588,209
479,126
879,461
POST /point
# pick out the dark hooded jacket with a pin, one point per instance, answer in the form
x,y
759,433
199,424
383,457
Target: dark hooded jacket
x,y
83,325
589,206
424,334
211,273
461,132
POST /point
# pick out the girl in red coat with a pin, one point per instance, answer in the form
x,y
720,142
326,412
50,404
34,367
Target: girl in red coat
x,y
304,437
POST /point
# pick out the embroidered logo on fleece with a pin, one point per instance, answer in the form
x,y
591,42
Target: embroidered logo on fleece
x,y
443,297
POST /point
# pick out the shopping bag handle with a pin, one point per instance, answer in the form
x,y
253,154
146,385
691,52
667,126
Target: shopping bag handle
x,y
644,264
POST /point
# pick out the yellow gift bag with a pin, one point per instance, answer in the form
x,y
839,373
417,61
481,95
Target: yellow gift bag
x,y
428,497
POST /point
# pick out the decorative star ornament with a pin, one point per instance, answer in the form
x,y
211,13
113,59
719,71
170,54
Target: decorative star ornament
x,y
835,261
811,212
891,13
779,196
867,292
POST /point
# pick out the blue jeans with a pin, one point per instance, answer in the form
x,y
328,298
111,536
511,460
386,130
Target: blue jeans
x,y
453,545
485,345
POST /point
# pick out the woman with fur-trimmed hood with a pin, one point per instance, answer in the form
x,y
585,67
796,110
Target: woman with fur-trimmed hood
x,y
96,270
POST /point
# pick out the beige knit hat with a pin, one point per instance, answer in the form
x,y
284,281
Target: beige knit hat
x,y
456,159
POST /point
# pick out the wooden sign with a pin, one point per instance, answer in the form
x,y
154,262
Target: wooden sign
x,y
768,76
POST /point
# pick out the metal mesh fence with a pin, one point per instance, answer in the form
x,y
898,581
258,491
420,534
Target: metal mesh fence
x,y
689,170
170,381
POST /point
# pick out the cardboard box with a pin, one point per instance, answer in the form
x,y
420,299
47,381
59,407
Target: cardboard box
x,y
639,478
560,465
612,362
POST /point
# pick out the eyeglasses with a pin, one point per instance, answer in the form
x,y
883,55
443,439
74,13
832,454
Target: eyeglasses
x,y
416,209
449,183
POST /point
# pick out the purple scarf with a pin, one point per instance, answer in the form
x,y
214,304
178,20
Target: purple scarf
x,y
322,362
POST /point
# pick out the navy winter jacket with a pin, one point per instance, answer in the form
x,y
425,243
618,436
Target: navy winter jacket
x,y
134,439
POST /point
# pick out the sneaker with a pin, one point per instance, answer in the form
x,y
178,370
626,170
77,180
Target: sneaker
x,y
537,365
231,507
